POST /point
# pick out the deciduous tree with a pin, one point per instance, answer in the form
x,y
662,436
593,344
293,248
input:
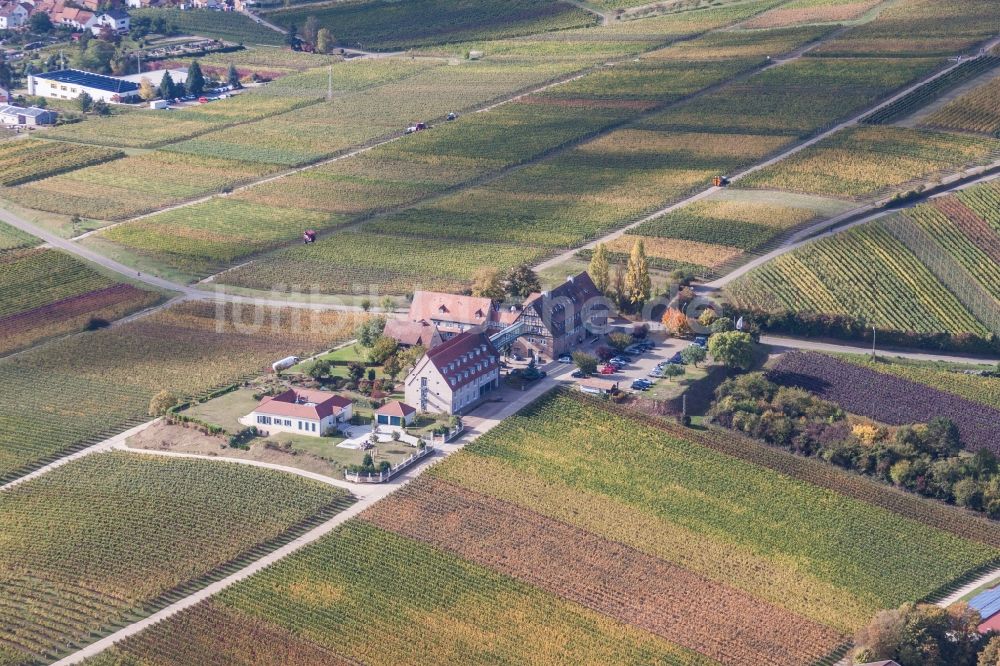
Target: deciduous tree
x,y
637,282
522,281
676,322
488,283
324,41
161,402
585,363
146,89
233,77
693,354
733,349
600,269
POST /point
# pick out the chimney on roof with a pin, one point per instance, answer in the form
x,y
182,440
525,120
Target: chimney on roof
x,y
569,278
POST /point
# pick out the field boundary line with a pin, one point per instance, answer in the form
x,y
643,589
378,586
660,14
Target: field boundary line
x,y
979,581
315,476
106,445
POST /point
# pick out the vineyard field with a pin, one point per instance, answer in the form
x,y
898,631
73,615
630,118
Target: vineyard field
x,y
25,161
730,224
582,193
863,272
325,129
919,28
772,101
387,25
152,129
911,102
12,238
344,262
976,111
853,163
425,604
136,185
811,11
235,28
101,382
941,376
99,539
929,269
44,293
783,569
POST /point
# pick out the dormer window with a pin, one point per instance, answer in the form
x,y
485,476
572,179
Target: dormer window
x,y
442,308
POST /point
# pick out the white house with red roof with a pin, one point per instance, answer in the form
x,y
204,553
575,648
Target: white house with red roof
x,y
300,411
455,375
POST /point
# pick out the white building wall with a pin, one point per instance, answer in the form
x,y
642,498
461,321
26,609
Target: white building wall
x,y
298,426
58,90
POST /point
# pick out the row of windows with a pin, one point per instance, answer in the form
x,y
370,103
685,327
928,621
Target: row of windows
x,y
302,425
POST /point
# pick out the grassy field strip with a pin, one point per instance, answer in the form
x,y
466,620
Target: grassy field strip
x,y
785,153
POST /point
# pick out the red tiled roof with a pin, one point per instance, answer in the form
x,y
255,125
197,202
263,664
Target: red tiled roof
x,y
457,359
992,623
433,305
395,408
303,404
409,332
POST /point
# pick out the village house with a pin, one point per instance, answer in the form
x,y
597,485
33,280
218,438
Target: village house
x,y
396,414
117,20
300,411
454,313
412,333
74,17
71,83
13,15
556,321
31,115
455,375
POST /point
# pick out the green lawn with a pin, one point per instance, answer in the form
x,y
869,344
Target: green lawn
x,y
226,410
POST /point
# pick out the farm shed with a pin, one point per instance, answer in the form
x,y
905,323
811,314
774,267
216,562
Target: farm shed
x,y
598,386
30,115
395,413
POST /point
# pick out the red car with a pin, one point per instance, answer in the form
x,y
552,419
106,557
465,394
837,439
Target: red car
x,y
608,370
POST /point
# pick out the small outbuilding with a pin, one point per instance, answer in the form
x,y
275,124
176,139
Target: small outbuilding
x,y
301,412
26,115
598,386
395,413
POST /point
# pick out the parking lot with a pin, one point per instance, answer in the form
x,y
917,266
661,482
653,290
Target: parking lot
x,y
640,365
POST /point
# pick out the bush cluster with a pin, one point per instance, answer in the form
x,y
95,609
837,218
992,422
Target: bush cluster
x,y
922,458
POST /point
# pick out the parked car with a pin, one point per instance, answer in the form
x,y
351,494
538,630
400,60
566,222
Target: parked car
x,y
641,385
676,359
621,359
578,374
701,341
656,373
565,358
609,370
634,349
